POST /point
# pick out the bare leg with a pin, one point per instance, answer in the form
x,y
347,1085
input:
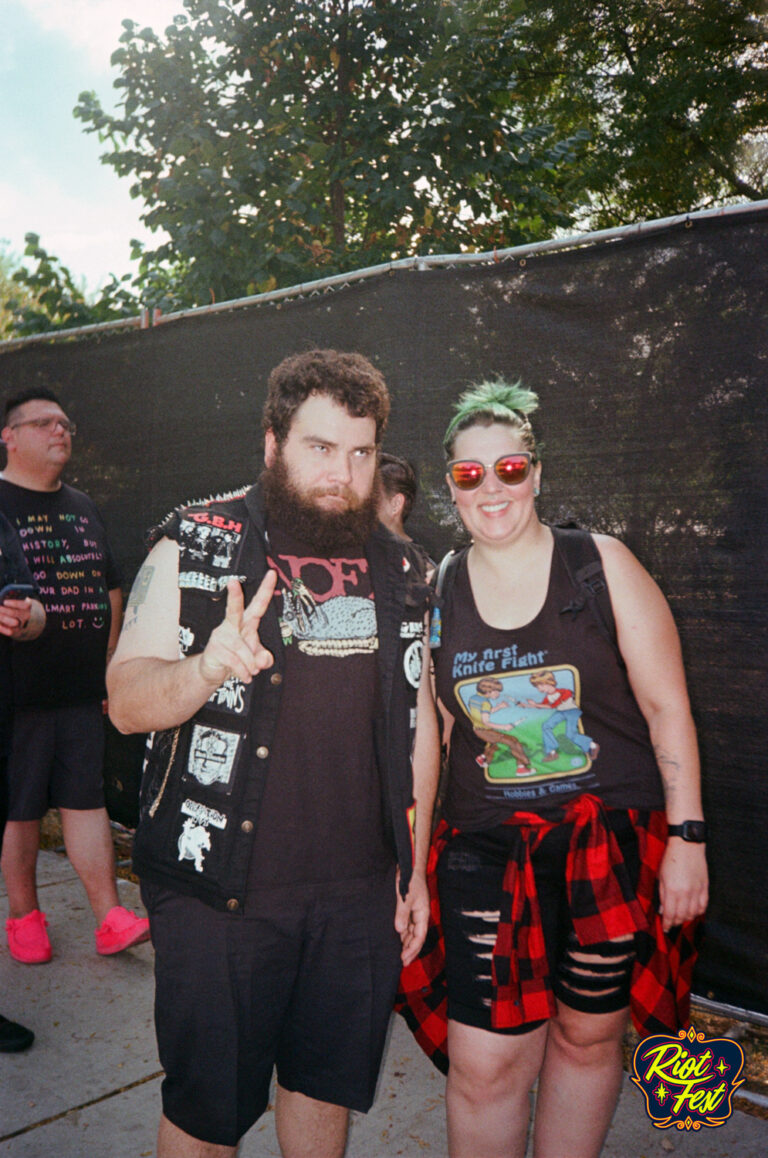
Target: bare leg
x,y
307,1128
19,865
487,1094
88,841
174,1143
579,1084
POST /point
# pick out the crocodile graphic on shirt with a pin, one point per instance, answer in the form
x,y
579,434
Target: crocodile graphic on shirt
x,y
342,625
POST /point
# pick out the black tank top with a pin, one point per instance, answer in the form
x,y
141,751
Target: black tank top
x,y
542,713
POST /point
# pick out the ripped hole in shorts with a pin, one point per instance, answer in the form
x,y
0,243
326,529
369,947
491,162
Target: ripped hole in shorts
x,y
596,978
481,930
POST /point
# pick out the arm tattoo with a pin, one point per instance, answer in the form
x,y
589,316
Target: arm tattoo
x,y
138,595
669,769
141,585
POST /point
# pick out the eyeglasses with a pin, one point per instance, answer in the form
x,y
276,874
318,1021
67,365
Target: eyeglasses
x,y
511,469
48,424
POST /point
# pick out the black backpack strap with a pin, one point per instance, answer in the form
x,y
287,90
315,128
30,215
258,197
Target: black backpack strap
x,y
585,570
445,571
442,582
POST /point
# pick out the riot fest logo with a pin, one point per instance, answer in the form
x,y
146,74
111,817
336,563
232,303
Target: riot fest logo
x,y
688,1080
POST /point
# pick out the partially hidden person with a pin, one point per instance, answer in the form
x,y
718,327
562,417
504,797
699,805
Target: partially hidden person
x,y
22,618
397,494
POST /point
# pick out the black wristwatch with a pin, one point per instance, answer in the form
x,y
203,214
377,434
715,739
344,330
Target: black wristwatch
x,y
691,830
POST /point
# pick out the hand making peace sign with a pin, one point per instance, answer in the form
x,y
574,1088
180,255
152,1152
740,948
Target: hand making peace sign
x,y
234,647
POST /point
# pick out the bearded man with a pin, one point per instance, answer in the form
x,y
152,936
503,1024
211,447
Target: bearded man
x,y
272,646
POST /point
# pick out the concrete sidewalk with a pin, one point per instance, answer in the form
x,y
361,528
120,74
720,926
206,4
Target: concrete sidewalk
x,y
90,1085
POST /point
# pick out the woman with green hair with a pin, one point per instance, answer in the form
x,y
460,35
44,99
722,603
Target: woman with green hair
x,y
559,884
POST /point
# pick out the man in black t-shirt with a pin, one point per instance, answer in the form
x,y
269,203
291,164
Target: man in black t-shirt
x,y
56,757
21,618
279,801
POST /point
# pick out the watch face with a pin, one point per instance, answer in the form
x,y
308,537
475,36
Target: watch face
x,y
694,830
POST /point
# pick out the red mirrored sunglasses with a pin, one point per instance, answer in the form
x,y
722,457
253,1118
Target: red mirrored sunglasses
x,y
510,469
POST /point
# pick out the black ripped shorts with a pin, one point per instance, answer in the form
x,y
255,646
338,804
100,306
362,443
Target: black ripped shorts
x,y
470,876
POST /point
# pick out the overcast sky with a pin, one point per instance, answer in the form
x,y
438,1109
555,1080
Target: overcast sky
x,y
51,180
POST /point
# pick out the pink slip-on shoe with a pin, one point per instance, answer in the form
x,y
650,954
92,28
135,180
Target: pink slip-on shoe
x,y
119,930
27,939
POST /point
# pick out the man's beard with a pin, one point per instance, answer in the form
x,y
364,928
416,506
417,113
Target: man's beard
x,y
296,511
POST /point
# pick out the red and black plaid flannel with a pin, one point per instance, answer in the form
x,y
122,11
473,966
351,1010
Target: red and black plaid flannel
x,y
603,906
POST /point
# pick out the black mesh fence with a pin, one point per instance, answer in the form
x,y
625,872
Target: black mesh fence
x,y
649,353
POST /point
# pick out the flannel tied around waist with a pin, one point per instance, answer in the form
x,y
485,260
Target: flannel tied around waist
x,y
603,906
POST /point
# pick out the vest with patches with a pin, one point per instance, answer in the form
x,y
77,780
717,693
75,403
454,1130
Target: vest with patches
x,y
203,781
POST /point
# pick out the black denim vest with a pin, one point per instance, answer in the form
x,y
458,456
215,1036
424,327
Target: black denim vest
x,y
203,781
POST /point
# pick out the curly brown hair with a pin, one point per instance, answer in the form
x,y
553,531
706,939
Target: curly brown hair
x,y
350,379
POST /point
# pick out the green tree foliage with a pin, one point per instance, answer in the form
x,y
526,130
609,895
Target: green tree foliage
x,y
10,290
47,297
278,141
673,93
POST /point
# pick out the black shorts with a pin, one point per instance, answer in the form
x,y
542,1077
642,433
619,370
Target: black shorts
x,y
3,796
470,875
56,760
305,982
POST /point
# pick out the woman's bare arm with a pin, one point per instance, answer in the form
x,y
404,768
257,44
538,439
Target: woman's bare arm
x,y
650,645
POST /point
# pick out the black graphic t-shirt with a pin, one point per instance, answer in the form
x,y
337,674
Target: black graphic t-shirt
x,y
13,569
65,545
321,814
542,713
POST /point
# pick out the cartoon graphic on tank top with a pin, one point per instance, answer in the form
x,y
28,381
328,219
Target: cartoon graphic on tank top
x,y
530,722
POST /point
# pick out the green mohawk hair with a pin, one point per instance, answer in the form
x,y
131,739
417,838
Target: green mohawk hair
x,y
506,401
